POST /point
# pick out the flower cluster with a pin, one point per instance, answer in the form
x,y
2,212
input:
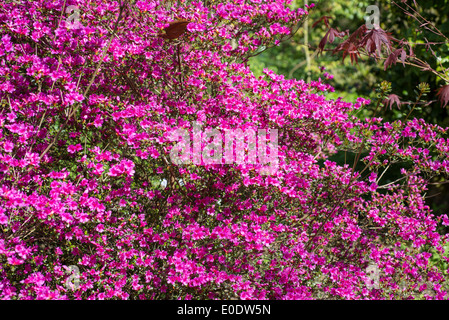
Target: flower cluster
x,y
86,179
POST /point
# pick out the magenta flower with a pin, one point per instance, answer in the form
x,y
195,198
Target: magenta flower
x,y
14,261
74,148
8,146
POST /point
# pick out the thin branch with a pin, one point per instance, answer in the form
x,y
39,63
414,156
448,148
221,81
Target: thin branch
x,y
393,182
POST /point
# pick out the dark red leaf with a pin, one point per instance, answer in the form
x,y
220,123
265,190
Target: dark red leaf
x,y
375,39
325,19
392,99
390,60
403,56
393,58
359,33
175,29
412,54
330,37
348,48
443,95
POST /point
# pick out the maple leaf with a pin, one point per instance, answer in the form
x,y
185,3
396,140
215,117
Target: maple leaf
x,y
351,45
348,48
359,33
393,58
175,29
375,39
329,37
392,99
443,95
325,19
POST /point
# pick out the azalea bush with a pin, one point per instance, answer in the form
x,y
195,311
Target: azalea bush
x,y
89,99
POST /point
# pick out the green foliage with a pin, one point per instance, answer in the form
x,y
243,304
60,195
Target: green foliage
x,y
351,81
289,58
414,86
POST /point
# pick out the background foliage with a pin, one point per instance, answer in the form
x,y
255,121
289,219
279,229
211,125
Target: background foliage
x,y
362,79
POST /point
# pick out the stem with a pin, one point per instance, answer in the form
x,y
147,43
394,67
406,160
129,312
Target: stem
x,y
414,105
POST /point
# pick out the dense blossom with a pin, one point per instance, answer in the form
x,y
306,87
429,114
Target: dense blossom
x,y
86,178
